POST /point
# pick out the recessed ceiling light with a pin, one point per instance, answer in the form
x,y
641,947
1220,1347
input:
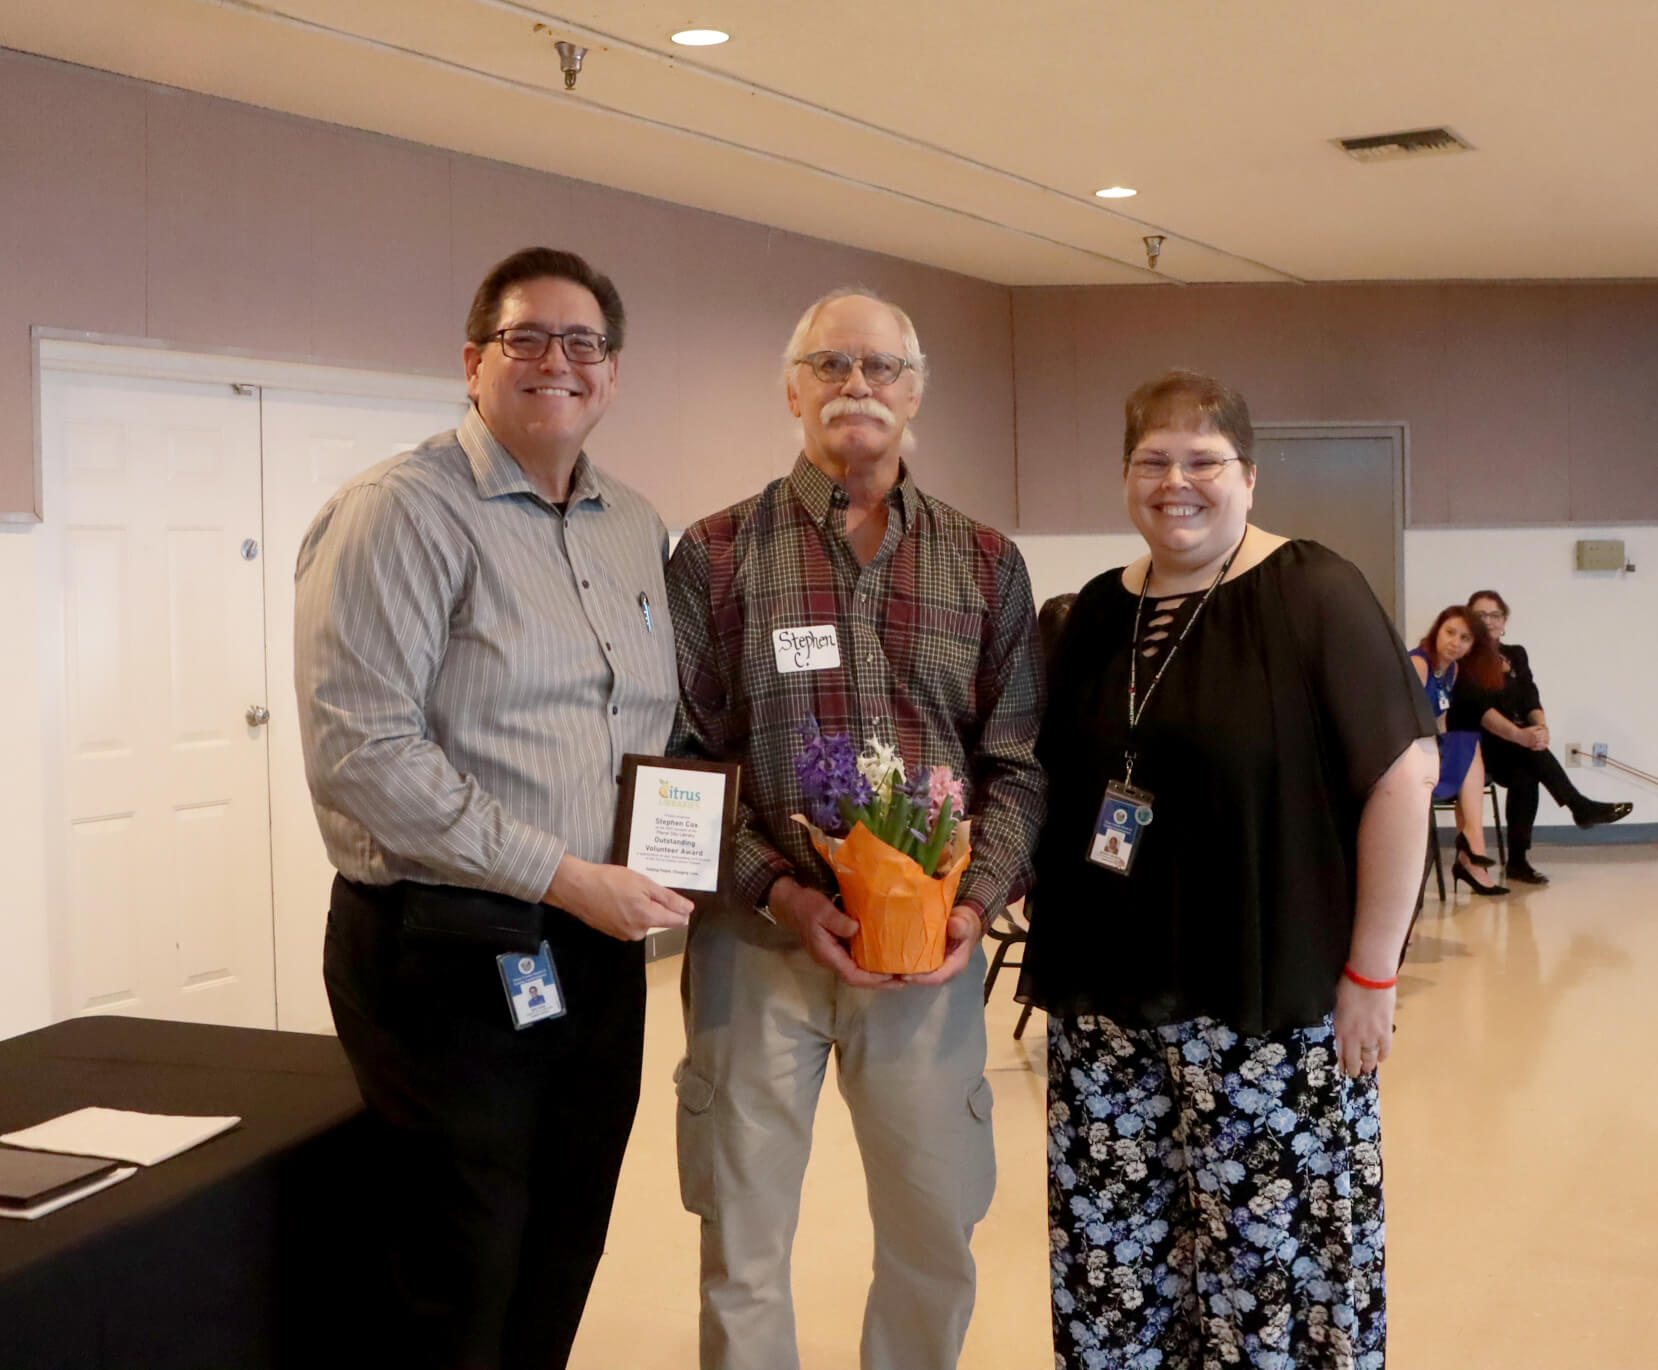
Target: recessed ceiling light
x,y
1116,193
701,38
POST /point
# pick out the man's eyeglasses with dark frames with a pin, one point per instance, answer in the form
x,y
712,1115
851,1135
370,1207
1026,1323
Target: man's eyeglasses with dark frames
x,y
835,368
580,345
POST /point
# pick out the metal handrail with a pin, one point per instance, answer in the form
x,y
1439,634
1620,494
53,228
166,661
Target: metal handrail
x,y
1617,765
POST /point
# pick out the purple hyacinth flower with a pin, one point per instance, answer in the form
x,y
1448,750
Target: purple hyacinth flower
x,y
827,769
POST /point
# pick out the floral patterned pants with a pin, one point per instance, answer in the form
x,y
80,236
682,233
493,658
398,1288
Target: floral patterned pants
x,y
1214,1200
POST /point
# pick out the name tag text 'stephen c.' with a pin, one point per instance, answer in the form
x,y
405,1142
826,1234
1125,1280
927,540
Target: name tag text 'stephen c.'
x,y
806,649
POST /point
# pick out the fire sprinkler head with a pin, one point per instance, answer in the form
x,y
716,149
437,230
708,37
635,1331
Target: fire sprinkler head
x,y
569,62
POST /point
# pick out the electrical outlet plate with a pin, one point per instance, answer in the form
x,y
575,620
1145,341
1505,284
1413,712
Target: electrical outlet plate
x,y
1598,751
1574,754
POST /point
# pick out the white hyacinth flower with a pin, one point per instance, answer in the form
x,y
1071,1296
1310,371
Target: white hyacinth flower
x,y
880,765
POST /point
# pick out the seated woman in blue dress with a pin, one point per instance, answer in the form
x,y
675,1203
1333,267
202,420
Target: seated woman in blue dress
x,y
1458,644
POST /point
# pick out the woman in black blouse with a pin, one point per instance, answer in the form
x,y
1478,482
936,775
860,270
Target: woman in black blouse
x,y
1516,745
1239,762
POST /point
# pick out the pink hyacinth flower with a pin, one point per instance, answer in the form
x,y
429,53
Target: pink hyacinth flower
x,y
942,782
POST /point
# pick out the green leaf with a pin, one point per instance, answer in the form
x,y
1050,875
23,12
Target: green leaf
x,y
942,830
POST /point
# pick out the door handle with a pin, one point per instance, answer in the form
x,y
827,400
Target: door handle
x,y
258,715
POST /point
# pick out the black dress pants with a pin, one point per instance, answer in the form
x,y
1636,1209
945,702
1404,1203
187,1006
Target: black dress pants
x,y
1522,772
496,1151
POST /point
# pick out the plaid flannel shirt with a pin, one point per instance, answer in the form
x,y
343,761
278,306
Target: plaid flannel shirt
x,y
938,654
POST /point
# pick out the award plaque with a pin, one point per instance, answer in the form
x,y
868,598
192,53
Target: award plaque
x,y
674,820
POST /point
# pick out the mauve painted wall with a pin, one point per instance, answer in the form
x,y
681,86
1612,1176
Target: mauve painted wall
x,y
141,211
1527,404
146,212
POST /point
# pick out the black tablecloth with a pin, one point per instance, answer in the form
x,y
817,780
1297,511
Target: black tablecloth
x,y
243,1252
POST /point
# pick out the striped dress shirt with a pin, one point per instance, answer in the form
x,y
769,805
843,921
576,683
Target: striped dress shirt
x,y
938,654
472,663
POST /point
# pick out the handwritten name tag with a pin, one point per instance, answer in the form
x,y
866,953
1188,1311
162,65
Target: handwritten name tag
x,y
806,649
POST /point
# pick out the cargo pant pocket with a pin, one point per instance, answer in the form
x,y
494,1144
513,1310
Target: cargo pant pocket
x,y
695,1129
979,1170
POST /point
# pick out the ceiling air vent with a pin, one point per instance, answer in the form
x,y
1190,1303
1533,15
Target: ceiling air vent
x,y
1393,147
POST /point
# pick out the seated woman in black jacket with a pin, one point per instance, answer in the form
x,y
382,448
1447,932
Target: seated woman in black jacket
x,y
1516,745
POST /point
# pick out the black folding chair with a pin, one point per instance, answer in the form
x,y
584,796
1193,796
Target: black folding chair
x,y
1007,932
1439,806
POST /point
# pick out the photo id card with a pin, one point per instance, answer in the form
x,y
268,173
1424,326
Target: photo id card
x,y
532,986
1120,826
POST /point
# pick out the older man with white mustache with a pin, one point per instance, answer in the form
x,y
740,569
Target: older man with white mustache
x,y
924,636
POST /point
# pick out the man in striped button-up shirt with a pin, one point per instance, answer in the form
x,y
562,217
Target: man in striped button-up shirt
x,y
936,653
475,652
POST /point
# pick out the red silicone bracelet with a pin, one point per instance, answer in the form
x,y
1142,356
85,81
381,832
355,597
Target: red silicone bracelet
x,y
1364,982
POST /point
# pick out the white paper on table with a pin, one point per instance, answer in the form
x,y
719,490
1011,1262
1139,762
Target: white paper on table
x,y
40,1210
120,1134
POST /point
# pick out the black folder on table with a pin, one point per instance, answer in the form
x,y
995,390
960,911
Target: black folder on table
x,y
28,1178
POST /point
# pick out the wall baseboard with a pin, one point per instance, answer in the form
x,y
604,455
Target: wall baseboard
x,y
667,942
1624,834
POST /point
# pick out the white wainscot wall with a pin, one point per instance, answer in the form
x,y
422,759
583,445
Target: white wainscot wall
x,y
25,978
1061,563
1592,636
1593,639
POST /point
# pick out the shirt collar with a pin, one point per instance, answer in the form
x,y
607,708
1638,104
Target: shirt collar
x,y
819,493
497,473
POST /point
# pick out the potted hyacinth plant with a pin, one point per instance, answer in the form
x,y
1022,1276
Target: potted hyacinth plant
x,y
898,843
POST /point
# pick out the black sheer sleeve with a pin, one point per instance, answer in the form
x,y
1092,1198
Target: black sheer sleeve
x,y
1366,697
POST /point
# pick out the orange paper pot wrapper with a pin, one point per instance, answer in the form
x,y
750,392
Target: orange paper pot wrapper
x,y
901,912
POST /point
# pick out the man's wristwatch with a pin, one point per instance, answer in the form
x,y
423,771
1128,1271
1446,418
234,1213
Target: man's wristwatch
x,y
763,908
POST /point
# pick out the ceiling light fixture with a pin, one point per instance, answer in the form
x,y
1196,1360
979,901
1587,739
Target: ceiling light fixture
x,y
701,38
1116,193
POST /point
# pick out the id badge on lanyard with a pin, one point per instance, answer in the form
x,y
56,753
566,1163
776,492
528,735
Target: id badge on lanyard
x,y
1126,811
531,983
1123,818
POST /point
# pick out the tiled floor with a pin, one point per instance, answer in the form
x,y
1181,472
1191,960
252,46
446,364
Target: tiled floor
x,y
1521,1134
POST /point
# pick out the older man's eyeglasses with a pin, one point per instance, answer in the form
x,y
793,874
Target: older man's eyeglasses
x,y
1201,467
582,346
835,368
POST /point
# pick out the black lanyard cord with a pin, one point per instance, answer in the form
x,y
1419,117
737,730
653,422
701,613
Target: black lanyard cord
x,y
1137,706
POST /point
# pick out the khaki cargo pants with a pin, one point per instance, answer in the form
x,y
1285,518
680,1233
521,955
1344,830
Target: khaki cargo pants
x,y
761,1021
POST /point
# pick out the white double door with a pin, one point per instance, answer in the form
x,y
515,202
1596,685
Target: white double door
x,y
185,875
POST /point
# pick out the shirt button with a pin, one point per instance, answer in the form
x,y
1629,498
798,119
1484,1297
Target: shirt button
x,y
614,709
607,646
870,659
585,585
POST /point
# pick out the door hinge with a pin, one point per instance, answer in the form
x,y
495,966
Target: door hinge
x,y
237,387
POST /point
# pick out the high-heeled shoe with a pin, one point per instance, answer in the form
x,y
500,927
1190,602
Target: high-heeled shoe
x,y
1460,874
1467,853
